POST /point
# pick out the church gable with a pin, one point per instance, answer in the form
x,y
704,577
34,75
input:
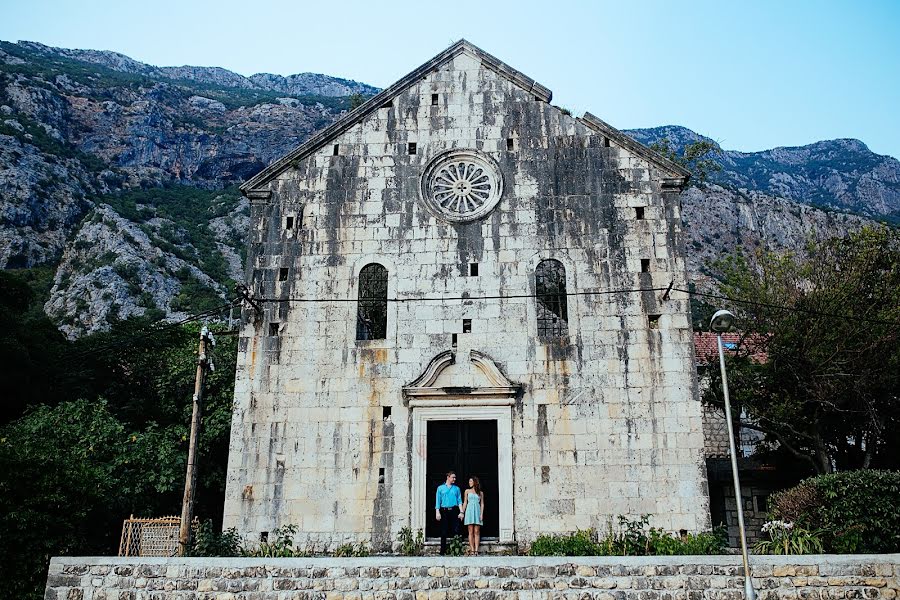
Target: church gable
x,y
462,56
445,82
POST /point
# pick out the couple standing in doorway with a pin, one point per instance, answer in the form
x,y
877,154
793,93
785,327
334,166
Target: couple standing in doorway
x,y
450,508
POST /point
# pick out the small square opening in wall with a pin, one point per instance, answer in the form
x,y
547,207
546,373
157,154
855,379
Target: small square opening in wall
x,y
639,213
606,142
645,265
264,536
510,144
336,150
653,321
411,148
453,341
385,413
273,329
467,325
289,223
473,270
434,99
282,274
381,475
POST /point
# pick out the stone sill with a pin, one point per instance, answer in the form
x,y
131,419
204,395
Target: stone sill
x,y
58,562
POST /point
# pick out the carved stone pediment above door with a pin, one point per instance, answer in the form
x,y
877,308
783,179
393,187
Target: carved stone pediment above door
x,y
461,386
449,381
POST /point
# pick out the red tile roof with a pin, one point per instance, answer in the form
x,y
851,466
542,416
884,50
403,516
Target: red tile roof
x,y
706,348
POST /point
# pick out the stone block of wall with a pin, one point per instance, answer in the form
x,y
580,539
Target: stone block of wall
x,y
828,577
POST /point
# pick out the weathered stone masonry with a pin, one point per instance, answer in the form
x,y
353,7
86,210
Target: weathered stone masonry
x,y
599,422
604,578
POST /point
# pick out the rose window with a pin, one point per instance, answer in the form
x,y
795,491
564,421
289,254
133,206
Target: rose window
x,y
461,185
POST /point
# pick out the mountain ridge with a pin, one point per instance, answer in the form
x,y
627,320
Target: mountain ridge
x,y
297,83
121,176
840,174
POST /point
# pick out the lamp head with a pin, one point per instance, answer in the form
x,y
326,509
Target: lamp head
x,y
722,321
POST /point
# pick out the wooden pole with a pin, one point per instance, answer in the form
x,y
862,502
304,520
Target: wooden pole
x,y
187,506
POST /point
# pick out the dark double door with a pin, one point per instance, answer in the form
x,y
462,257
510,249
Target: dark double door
x,y
470,449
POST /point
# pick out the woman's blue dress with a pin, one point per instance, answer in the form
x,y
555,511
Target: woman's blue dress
x,y
473,509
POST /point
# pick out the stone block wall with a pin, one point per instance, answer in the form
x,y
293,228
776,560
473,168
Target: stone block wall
x,y
607,422
870,577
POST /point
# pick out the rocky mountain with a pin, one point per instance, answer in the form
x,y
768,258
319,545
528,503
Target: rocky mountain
x,y
838,174
121,177
294,85
79,124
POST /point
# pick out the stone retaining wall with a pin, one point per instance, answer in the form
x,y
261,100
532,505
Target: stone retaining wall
x,y
391,578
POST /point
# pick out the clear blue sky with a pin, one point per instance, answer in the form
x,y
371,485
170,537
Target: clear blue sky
x,y
752,75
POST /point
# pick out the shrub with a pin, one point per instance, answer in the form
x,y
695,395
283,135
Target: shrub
x,y
857,511
456,546
348,550
786,538
282,545
630,538
411,544
206,541
580,543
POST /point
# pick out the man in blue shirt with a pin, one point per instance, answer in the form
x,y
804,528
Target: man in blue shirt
x,y
448,509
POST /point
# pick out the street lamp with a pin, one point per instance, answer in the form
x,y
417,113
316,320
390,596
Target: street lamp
x,y
721,322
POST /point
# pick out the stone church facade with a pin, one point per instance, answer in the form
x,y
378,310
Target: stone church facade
x,y
459,275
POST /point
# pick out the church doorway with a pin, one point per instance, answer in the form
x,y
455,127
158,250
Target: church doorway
x,y
468,447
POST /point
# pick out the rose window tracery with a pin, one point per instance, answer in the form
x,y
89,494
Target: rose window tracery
x,y
461,185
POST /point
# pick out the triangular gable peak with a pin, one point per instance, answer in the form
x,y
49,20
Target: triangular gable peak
x,y
678,174
253,187
322,138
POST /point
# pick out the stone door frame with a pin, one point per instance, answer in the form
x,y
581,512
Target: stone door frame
x,y
494,402
503,416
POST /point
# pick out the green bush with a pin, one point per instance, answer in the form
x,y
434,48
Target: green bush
x,y
411,544
580,543
281,546
630,538
349,550
456,546
787,538
858,511
207,541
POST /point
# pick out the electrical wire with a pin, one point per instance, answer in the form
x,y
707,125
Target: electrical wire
x,y
154,329
466,297
584,293
787,308
157,328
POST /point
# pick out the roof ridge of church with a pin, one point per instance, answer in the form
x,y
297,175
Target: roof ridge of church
x,y
629,143
375,102
539,91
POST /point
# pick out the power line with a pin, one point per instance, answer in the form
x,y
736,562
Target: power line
x,y
154,329
158,328
581,293
788,308
465,297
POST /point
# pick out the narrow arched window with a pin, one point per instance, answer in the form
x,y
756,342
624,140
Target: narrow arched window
x,y
371,312
552,311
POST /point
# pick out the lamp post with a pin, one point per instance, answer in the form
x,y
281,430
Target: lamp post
x,y
721,322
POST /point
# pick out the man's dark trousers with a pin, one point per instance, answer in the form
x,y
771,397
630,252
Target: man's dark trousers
x,y
449,525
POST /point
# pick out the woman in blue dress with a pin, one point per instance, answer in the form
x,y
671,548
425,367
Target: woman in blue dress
x,y
473,509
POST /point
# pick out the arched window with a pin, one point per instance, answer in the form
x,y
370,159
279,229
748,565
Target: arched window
x,y
371,312
552,311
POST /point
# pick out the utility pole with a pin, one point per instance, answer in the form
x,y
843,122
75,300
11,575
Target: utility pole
x,y
187,506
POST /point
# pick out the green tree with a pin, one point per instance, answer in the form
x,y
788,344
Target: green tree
x,y
697,157
104,434
70,474
356,100
829,388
